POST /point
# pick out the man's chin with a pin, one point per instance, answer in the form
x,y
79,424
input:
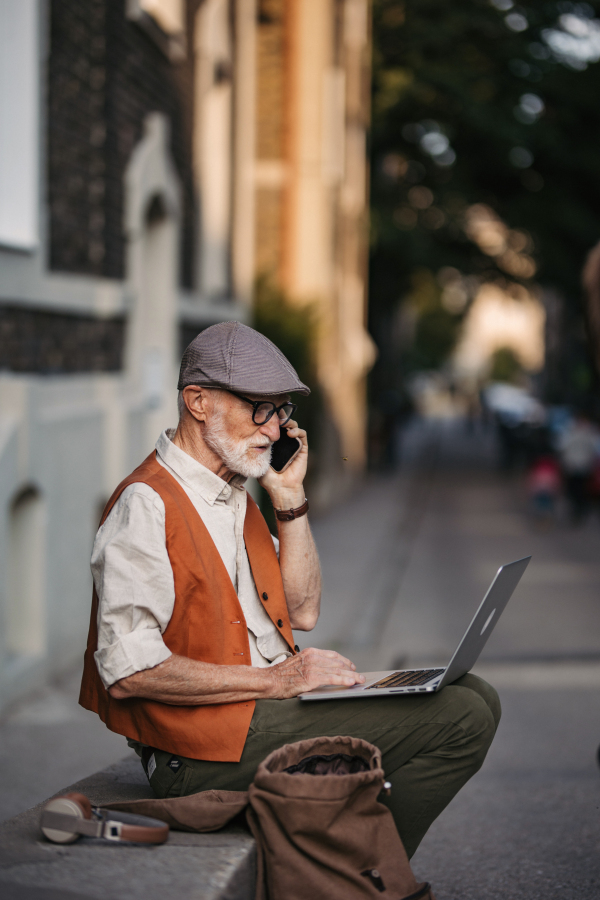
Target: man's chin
x,y
255,465
253,472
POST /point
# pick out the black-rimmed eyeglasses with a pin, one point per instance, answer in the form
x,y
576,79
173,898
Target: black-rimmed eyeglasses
x,y
263,410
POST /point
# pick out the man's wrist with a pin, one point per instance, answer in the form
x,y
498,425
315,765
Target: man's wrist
x,y
288,499
271,682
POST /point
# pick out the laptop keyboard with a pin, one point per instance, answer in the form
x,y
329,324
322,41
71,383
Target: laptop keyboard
x,y
406,679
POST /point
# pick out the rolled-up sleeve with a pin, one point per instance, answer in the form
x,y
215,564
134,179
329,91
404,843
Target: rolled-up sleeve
x,y
134,582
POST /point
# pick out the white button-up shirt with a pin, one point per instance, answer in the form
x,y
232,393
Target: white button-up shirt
x,y
133,575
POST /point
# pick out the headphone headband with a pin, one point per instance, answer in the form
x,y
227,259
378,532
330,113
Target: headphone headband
x,y
65,818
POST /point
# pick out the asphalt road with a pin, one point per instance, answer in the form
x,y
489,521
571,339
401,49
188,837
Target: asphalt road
x,y
406,560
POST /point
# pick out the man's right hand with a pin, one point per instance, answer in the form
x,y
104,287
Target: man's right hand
x,y
310,669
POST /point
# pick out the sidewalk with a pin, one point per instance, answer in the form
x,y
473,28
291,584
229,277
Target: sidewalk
x,y
48,741
219,866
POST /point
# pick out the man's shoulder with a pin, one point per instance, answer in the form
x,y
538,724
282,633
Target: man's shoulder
x,y
142,490
138,495
138,510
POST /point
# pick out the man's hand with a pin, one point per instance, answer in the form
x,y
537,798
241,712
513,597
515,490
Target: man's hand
x,y
285,488
310,669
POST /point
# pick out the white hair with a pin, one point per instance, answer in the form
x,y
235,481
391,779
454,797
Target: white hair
x,y
181,407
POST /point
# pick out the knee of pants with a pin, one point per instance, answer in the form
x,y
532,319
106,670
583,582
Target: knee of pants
x,y
485,691
478,722
493,701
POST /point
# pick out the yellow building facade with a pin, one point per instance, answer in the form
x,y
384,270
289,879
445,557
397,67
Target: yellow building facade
x,y
311,173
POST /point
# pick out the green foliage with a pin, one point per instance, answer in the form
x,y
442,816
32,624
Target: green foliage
x,y
294,329
291,328
505,366
521,131
436,328
435,337
456,65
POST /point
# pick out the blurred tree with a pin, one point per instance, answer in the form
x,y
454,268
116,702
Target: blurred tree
x,y
490,103
505,366
291,327
436,328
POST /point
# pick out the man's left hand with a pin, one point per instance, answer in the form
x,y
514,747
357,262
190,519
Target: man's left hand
x,y
285,488
298,557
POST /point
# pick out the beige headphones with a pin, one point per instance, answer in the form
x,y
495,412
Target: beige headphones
x,y
65,818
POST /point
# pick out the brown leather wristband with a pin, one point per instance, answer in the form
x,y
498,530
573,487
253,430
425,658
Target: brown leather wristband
x,y
286,515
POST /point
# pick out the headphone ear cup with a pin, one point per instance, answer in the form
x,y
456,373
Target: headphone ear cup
x,y
82,801
73,804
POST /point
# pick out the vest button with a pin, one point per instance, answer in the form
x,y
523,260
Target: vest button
x,y
265,596
280,623
296,648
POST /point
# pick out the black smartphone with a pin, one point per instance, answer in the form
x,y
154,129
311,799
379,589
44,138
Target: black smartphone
x,y
284,450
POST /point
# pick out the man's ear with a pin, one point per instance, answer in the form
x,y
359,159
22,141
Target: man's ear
x,y
196,401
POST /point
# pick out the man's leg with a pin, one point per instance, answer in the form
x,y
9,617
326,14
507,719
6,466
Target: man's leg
x,y
449,745
431,745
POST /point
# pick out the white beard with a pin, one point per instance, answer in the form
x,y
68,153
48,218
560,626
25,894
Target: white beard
x,y
237,455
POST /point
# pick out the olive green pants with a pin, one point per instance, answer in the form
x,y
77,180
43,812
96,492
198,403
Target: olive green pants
x,y
431,745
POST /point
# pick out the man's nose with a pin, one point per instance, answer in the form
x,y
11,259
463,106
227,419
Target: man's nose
x,y
271,428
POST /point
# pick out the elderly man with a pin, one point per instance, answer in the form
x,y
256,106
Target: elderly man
x,y
191,654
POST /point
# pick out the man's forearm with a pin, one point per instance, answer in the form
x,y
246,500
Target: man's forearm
x,y
300,572
298,558
181,681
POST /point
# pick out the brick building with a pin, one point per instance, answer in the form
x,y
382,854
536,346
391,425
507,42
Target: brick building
x,y
156,156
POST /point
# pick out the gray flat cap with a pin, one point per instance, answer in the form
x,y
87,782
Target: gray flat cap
x,y
235,357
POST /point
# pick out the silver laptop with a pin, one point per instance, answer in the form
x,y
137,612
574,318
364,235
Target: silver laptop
x,y
411,681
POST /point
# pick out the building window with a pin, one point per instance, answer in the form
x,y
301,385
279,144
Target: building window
x,y
25,620
19,123
163,21
53,343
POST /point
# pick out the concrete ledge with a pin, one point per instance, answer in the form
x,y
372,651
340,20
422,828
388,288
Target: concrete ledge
x,y
218,866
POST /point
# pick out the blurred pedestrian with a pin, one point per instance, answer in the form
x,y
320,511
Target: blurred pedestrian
x,y
511,440
544,485
578,450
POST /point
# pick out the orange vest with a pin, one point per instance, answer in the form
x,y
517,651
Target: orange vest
x,y
207,624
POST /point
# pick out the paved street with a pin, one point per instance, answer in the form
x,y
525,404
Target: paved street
x,y
406,560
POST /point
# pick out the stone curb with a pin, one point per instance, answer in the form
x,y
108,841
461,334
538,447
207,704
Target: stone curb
x,y
217,866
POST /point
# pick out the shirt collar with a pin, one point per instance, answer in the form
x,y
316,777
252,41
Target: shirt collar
x,y
200,479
